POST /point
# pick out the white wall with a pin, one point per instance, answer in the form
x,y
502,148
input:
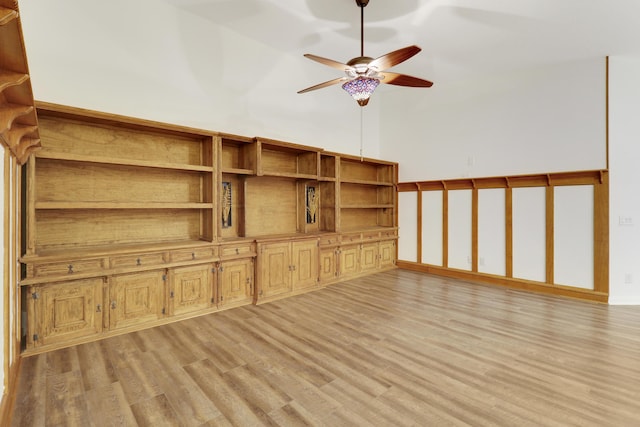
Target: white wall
x,y
624,158
541,120
114,57
550,119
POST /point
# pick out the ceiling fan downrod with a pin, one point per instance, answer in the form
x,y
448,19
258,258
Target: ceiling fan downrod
x,y
361,4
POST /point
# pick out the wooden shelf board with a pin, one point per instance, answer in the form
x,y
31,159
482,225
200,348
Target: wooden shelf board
x,y
365,182
120,205
238,171
10,78
371,206
7,15
290,175
43,154
52,255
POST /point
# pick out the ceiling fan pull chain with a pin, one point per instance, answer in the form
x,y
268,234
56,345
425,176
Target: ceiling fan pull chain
x,y
361,133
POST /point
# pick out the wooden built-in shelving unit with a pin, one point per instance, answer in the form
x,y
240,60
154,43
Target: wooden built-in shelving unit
x,y
132,223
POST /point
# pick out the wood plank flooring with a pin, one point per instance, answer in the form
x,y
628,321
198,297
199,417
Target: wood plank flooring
x,y
395,349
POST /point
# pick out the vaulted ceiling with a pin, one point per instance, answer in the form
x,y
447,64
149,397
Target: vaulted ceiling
x,y
461,39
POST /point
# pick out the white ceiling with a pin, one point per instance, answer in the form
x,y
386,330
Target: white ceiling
x,y
460,39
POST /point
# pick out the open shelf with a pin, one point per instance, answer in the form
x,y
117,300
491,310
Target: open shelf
x,y
238,155
282,159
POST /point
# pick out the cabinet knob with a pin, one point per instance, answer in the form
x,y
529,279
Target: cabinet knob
x,y
113,304
98,308
193,255
138,262
70,269
237,251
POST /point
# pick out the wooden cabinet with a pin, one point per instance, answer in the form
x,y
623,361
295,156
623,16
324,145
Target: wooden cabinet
x,y
235,282
136,299
287,267
160,222
190,289
64,312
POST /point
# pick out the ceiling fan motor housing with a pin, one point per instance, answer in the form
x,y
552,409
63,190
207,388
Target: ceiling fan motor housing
x,y
362,3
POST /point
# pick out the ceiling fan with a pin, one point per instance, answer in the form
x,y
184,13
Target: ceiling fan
x,y
363,74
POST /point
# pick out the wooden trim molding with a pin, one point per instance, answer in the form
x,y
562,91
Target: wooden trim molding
x,y
520,284
599,179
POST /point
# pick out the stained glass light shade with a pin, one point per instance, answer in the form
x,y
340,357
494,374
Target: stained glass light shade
x,y
361,89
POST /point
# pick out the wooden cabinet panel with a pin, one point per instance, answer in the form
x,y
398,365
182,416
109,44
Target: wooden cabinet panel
x,y
328,269
387,253
194,254
275,261
65,311
236,282
136,298
238,249
349,260
304,264
190,289
68,267
369,257
137,260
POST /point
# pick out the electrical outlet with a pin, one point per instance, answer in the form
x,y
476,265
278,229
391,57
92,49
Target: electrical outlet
x,y
625,220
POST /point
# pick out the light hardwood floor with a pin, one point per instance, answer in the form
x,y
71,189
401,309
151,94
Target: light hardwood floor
x,y
394,349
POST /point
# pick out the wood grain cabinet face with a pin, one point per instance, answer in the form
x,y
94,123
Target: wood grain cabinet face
x,y
328,269
369,256
304,264
387,254
276,269
349,260
136,298
235,280
288,266
190,289
65,311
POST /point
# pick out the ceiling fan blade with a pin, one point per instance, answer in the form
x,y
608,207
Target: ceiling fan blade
x,y
404,80
394,58
325,84
330,62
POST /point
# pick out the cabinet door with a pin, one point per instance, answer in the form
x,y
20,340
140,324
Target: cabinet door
x,y
369,256
387,253
190,288
136,298
328,269
349,260
305,264
236,282
65,311
275,263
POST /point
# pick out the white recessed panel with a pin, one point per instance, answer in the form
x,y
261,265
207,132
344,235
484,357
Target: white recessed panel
x,y
408,226
573,236
432,227
529,234
491,231
460,229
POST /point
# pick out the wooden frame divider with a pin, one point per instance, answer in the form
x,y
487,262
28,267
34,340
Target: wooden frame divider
x,y
599,179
